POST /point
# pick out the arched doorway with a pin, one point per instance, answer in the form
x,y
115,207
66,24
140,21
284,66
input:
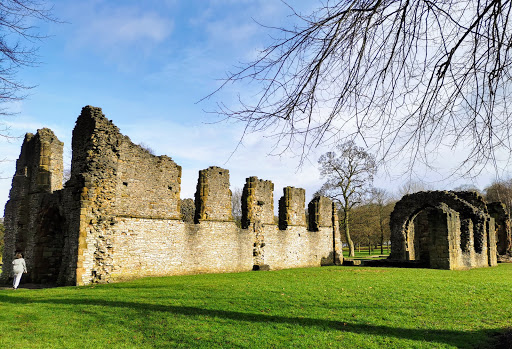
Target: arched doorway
x,y
427,237
49,242
445,230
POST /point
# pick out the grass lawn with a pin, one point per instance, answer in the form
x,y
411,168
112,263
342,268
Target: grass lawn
x,y
328,307
363,254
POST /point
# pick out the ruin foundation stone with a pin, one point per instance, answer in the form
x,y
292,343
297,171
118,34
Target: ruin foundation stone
x,y
120,215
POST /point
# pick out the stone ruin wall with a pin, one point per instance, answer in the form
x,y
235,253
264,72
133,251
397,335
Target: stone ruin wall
x,y
119,216
444,230
213,196
498,211
38,172
257,213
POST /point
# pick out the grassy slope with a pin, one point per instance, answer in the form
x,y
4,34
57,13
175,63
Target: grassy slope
x,y
325,307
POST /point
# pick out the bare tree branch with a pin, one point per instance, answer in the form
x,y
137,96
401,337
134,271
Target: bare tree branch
x,y
408,77
17,45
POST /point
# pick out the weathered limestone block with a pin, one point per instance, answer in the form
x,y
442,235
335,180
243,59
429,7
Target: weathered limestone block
x,y
320,213
257,202
188,210
258,211
213,196
147,185
337,242
498,211
292,208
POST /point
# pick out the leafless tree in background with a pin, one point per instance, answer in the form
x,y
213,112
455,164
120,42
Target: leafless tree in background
x,y
411,187
410,78
500,191
18,37
349,175
384,204
468,187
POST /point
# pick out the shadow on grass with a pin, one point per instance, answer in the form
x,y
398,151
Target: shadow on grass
x,y
459,339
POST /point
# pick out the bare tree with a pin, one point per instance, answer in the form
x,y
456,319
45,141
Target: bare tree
x,y
409,77
18,36
500,191
412,186
364,226
384,204
468,187
349,175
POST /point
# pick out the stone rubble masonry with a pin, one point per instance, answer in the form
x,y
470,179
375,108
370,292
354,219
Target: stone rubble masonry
x,y
257,214
444,230
39,171
291,207
213,197
120,216
336,237
498,211
320,213
188,210
257,202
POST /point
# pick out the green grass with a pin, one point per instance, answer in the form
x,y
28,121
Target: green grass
x,y
328,307
363,254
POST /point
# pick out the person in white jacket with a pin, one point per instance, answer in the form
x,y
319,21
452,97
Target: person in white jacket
x,y
18,267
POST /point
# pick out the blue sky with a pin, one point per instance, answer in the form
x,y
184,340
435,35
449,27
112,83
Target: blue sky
x,y
147,64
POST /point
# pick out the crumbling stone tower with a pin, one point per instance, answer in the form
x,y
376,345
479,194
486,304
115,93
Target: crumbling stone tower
x,y
323,214
32,222
291,207
213,197
115,179
258,211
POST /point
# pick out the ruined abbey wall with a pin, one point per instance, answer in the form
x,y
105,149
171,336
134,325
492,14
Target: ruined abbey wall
x,y
498,211
38,172
119,215
444,230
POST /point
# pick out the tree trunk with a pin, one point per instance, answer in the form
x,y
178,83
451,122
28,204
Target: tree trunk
x,y
351,251
381,240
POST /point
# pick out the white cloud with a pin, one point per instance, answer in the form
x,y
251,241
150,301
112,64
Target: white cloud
x,y
125,26
121,34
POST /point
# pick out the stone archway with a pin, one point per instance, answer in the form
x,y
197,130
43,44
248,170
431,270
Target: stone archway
x,y
428,236
418,237
445,230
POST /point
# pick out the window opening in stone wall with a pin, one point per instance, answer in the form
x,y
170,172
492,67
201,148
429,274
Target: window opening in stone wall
x,y
48,249
466,231
67,154
479,239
